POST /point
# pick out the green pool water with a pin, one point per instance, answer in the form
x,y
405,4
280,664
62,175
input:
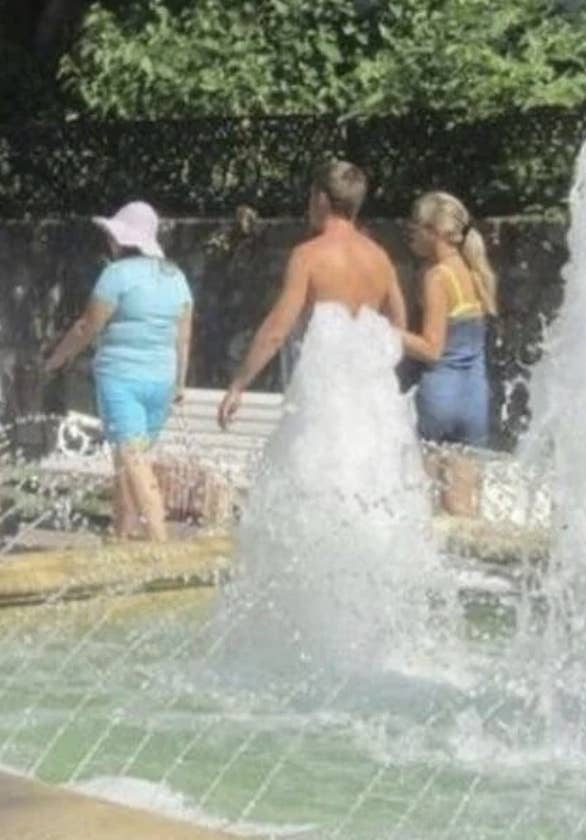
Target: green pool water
x,y
120,697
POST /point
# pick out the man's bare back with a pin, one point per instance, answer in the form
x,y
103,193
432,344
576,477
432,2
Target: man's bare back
x,y
339,265
345,266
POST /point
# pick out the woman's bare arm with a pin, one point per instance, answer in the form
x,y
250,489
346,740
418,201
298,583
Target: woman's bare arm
x,y
81,334
429,346
183,346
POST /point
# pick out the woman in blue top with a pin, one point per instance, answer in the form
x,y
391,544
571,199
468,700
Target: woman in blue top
x,y
140,315
459,292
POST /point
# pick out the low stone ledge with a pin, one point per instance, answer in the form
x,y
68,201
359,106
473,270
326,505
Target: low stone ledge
x,y
115,568
502,543
124,568
30,810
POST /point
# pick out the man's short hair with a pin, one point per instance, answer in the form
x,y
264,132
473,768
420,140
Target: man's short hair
x,y
344,184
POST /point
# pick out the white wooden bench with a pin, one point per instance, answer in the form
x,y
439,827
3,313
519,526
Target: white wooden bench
x,y
191,433
192,430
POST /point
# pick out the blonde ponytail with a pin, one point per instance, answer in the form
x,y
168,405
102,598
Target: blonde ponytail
x,y
449,217
474,253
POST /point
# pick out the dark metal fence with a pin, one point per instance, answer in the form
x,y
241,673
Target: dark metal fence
x,y
513,164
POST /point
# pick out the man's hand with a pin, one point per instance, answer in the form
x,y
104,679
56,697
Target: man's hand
x,y
53,363
229,405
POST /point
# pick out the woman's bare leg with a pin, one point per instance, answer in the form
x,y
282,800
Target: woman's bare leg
x,y
461,485
433,462
127,522
144,489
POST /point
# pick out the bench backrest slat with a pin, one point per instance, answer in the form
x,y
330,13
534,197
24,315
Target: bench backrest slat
x,y
197,417
192,431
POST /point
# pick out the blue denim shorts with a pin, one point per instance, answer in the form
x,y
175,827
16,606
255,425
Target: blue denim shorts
x,y
452,406
133,410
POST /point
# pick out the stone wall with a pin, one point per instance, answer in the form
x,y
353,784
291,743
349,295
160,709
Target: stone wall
x,y
47,270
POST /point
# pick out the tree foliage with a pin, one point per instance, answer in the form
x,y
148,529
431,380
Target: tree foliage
x,y
473,57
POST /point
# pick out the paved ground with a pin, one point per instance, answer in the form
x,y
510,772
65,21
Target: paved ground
x,y
32,811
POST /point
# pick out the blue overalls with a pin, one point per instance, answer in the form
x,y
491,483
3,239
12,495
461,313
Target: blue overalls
x,y
453,393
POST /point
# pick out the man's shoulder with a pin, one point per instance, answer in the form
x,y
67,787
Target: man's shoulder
x,y
305,253
317,246
323,245
373,245
307,246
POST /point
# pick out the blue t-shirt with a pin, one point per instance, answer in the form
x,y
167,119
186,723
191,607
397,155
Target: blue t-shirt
x,y
148,295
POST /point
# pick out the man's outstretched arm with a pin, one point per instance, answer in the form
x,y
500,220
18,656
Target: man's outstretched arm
x,y
272,333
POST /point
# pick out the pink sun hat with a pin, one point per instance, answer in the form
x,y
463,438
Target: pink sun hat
x,y
134,226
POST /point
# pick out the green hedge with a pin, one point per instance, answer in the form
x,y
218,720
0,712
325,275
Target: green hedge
x,y
518,163
181,59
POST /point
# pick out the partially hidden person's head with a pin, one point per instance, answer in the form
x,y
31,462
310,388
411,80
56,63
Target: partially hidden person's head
x,y
440,217
132,230
338,189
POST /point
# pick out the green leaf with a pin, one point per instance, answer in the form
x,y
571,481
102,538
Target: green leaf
x,y
469,56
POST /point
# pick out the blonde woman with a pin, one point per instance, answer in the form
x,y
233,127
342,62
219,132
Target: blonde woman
x,y
459,292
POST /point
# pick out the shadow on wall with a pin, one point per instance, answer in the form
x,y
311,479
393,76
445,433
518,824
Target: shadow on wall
x,y
47,271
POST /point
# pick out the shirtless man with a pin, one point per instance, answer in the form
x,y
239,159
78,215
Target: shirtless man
x,y
339,264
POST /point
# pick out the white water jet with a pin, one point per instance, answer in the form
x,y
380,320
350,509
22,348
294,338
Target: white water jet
x,y
558,391
556,446
337,561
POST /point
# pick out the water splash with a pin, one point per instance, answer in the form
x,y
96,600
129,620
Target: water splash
x,y
558,393
33,498
336,535
554,636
